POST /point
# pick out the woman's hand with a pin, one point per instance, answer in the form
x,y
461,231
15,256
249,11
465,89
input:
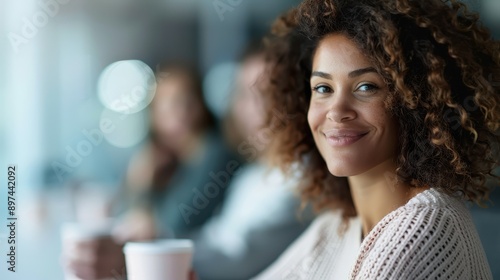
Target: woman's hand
x,y
96,259
192,275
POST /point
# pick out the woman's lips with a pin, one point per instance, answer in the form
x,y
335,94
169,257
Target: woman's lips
x,y
342,137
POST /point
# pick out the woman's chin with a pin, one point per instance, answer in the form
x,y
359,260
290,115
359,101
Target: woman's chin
x,y
344,170
340,172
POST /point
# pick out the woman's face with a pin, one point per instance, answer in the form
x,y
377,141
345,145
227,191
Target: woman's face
x,y
350,124
248,104
175,109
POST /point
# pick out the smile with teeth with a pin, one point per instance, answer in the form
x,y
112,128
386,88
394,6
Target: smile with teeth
x,y
343,138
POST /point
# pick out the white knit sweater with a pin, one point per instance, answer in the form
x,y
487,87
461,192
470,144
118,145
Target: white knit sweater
x,y
431,237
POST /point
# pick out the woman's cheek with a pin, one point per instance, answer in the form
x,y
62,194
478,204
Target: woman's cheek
x,y
314,116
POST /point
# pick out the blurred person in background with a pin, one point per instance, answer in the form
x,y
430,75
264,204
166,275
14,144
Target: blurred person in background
x,y
171,176
169,184
260,216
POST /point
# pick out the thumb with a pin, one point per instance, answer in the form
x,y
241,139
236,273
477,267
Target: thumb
x,y
192,275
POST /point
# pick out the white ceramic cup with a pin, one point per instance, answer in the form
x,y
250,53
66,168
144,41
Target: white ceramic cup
x,y
164,259
73,233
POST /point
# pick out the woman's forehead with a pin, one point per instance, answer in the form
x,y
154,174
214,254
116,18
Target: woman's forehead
x,y
338,53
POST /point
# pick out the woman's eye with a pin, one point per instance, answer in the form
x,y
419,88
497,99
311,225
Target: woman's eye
x,y
367,88
322,89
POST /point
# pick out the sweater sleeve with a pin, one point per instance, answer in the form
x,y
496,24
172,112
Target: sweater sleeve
x,y
299,258
424,243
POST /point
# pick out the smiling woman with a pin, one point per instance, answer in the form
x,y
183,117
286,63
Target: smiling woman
x,y
350,125
397,126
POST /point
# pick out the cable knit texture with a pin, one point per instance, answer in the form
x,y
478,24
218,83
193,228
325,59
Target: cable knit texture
x,y
430,237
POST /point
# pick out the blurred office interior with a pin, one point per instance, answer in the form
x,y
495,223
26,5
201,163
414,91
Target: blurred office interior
x,y
53,54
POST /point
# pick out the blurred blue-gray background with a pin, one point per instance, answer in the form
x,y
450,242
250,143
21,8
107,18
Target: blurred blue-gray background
x,y
52,53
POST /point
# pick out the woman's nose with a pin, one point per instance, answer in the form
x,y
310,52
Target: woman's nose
x,y
341,108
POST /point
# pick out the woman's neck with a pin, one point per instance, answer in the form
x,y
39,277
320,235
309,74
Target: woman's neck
x,y
191,146
376,193
187,147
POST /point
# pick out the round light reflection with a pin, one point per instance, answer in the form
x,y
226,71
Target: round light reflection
x,y
127,86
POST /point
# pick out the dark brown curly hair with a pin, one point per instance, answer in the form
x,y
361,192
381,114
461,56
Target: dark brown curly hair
x,y
440,65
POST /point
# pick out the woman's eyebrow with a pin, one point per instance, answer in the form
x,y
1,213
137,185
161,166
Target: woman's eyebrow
x,y
352,74
321,75
360,72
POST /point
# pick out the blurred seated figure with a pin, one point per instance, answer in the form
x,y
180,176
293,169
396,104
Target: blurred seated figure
x,y
260,216
169,184
174,174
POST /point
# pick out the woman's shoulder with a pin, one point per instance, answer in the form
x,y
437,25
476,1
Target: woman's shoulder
x,y
314,251
431,236
429,207
430,217
435,213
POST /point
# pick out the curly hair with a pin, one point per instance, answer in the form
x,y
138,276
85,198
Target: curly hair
x,y
438,62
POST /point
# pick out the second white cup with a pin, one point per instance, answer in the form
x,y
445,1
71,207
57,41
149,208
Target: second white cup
x,y
159,260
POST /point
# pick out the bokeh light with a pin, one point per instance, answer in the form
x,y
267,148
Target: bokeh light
x,y
127,86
